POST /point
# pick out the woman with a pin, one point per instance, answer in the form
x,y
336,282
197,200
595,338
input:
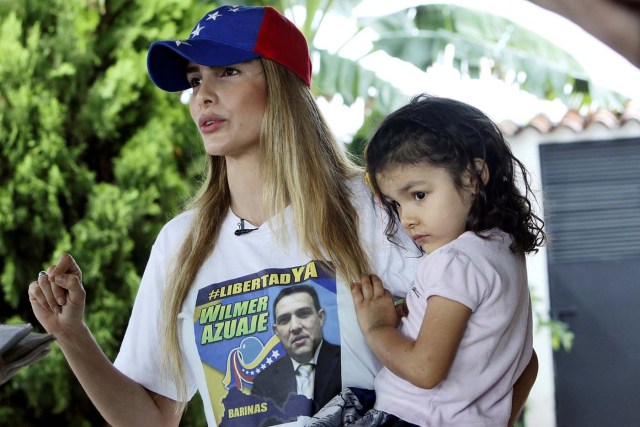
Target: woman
x,y
278,209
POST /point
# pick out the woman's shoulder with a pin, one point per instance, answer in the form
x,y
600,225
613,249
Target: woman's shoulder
x,y
369,209
356,183
177,227
359,189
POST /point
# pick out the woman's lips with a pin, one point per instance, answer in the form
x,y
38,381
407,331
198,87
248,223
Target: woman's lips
x,y
208,124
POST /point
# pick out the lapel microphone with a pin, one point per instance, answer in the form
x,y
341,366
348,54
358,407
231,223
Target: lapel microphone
x,y
241,230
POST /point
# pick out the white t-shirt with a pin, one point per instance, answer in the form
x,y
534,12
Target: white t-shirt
x,y
226,320
497,345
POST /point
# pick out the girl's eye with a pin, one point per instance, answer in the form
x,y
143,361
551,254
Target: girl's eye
x,y
228,71
195,81
420,195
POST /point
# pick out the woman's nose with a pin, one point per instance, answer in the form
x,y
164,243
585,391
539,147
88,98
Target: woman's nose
x,y
206,93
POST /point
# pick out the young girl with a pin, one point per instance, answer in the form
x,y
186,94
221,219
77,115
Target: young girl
x,y
443,170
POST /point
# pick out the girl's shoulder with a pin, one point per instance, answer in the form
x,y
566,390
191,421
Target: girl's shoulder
x,y
485,256
473,249
487,243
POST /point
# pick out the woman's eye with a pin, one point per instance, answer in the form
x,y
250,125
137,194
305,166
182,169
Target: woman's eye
x,y
195,81
228,71
420,195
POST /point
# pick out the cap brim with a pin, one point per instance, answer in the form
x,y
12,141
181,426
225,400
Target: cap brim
x,y
167,60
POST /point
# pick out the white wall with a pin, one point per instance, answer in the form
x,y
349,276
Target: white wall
x,y
540,407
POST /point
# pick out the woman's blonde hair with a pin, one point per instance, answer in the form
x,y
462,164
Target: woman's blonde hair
x,y
304,167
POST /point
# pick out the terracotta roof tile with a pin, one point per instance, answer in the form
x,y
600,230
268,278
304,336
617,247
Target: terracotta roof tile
x,y
631,112
604,117
573,120
577,122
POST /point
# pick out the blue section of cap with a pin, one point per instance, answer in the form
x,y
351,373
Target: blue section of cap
x,y
224,36
238,29
167,62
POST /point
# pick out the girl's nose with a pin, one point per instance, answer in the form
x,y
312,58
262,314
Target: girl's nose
x,y
407,219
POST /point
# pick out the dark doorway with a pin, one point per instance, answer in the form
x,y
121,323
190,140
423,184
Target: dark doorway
x,y
592,212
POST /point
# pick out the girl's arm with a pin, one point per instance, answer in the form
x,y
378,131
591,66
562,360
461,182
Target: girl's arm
x,y
425,361
58,303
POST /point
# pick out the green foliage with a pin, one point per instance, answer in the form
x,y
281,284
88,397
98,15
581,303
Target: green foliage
x,y
346,77
561,336
419,35
93,160
357,145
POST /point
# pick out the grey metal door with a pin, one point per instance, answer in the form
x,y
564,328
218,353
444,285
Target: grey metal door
x,y
592,211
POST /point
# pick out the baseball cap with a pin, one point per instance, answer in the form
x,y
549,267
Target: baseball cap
x,y
229,35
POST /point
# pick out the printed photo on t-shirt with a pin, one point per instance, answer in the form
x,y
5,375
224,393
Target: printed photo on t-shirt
x,y
269,343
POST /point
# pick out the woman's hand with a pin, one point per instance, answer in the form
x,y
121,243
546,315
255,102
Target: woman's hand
x,y
58,297
374,304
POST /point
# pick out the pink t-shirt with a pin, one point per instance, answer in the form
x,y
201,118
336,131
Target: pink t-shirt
x,y
487,277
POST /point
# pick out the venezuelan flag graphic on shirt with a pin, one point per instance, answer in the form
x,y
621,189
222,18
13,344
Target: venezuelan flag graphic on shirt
x,y
249,356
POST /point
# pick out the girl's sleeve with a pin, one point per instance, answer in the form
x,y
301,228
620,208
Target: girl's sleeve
x,y
451,274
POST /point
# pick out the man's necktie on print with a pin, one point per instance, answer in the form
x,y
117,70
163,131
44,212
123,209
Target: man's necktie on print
x,y
305,385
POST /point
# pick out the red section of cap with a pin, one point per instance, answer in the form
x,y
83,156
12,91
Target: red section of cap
x,y
281,41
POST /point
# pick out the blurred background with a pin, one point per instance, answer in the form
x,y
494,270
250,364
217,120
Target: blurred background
x,y
94,159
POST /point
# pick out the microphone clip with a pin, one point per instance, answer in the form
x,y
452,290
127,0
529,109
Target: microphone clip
x,y
242,230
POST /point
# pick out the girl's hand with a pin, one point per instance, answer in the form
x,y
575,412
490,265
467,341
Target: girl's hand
x,y
58,298
374,304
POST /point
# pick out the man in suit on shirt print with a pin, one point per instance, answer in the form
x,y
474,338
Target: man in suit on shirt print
x,y
312,364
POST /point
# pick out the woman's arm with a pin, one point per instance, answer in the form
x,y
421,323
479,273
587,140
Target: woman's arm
x,y
425,361
119,399
58,302
522,387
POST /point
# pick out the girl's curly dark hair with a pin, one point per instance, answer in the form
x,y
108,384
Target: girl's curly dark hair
x,y
451,134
